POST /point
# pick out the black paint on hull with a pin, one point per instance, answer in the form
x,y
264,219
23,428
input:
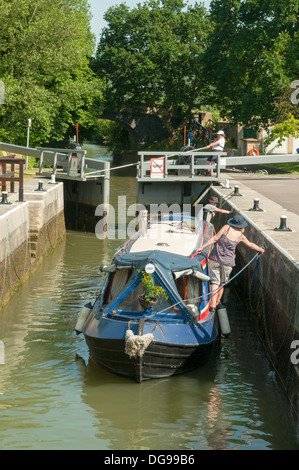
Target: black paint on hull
x,y
160,360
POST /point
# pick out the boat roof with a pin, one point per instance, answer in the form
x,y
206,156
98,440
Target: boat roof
x,y
167,261
167,236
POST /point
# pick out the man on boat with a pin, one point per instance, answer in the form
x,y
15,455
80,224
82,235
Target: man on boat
x,y
222,257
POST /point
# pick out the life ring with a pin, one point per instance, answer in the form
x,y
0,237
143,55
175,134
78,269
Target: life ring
x,y
253,152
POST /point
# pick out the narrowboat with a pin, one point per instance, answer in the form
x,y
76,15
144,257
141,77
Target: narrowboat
x,y
178,331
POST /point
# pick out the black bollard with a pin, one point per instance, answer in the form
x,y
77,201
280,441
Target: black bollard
x,y
236,191
256,207
40,186
4,198
283,225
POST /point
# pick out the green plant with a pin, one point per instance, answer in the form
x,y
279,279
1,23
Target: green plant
x,y
150,290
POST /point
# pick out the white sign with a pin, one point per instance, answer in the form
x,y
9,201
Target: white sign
x,y
29,122
157,167
74,165
149,268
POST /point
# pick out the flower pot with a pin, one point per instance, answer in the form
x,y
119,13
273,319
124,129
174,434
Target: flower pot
x,y
147,304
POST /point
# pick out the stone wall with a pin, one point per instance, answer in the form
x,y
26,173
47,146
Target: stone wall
x,y
269,287
28,231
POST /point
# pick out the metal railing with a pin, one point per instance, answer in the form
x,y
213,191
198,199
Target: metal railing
x,y
191,165
72,163
180,165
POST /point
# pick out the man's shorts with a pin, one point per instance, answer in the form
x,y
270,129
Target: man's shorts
x,y
219,273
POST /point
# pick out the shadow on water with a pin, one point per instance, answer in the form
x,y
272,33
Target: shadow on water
x,y
233,402
52,397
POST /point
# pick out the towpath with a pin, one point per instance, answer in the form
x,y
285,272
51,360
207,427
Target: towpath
x,y
278,196
282,189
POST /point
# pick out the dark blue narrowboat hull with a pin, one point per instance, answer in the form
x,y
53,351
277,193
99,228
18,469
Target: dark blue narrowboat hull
x,y
166,339
175,349
160,360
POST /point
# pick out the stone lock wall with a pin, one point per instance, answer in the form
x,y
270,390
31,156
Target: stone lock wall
x,y
28,231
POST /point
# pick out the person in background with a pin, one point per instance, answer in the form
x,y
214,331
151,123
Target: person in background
x,y
208,132
211,209
217,145
214,201
190,138
222,256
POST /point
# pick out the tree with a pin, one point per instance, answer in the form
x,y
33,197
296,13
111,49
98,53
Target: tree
x,y
283,130
45,47
151,57
252,59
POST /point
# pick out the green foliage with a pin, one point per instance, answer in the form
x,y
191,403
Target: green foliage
x,y
283,130
45,47
151,57
150,290
252,58
114,135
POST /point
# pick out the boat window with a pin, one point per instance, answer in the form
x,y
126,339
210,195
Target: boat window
x,y
117,281
130,303
189,287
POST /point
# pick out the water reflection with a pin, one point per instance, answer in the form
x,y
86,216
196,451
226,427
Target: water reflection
x,y
51,397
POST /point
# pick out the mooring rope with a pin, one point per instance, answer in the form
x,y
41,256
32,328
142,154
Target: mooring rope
x,y
209,293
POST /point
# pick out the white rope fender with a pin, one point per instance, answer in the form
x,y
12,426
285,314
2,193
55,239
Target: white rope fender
x,y
137,344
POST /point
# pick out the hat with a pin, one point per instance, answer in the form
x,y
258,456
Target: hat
x,y
237,221
220,132
214,199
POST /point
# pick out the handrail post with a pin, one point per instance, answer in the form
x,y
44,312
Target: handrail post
x,y
165,166
218,166
21,181
141,165
12,183
4,173
41,162
82,164
192,165
55,163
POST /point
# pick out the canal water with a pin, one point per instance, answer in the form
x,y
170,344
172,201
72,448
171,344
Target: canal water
x,y
51,397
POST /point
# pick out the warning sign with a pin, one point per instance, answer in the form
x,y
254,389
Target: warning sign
x,y
157,167
74,165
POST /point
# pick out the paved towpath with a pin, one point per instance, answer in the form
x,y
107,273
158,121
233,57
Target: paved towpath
x,y
282,189
278,196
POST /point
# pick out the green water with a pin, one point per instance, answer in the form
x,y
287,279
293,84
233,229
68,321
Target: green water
x,y
52,398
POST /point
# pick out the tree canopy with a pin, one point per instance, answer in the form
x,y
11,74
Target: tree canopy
x,y
252,58
45,47
151,58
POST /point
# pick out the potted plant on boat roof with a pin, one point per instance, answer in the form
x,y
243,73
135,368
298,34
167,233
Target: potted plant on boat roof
x,y
151,293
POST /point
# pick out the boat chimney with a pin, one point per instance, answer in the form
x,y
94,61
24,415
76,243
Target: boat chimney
x,y
143,222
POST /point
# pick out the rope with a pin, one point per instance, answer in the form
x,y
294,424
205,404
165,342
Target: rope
x,y
209,293
137,344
